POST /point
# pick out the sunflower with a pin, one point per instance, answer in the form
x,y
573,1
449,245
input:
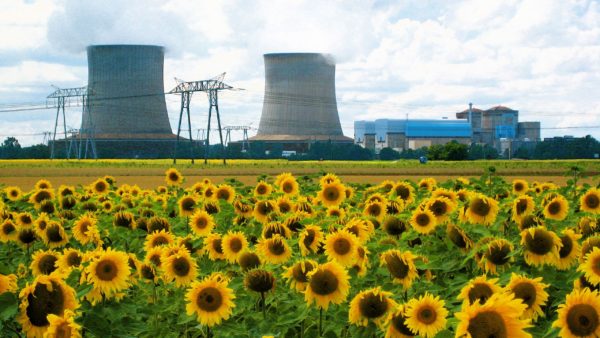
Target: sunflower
x,y
522,205
84,230
211,300
328,179
541,246
588,245
297,274
582,283
281,177
332,194
428,184
478,291
394,207
13,193
148,273
570,250
109,272
396,324
591,266
458,237
243,208
47,295
43,184
394,226
41,195
587,226
532,292
423,221
276,228
274,250
154,256
100,187
590,201
158,238
341,246
173,177
529,221
8,283
248,260
497,254
557,208
44,263
372,304
263,209
201,223
310,239
233,244
482,210
579,316
426,315
124,219
54,235
442,207
69,259
498,317
336,212
262,189
187,205
225,192
259,280
63,326
213,246
519,187
8,231
179,267
26,236
327,283
41,223
24,219
289,186
303,206
404,191
400,265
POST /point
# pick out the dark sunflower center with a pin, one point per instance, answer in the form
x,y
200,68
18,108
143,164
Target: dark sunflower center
x,y
47,264
284,207
223,194
518,186
423,220
540,244
488,324
427,315
209,299
457,238
100,187
324,282
159,240
276,247
480,293
41,195
567,246
173,177
26,219
300,271
480,207
216,244
147,272
14,193
582,320
106,270
188,204
235,244
438,208
374,209
402,192
525,291
554,208
259,281
181,266
592,201
264,208
249,260
521,206
396,266
331,194
399,323
341,246
155,259
53,233
8,228
73,259
372,306
394,226
287,187
498,254
43,302
261,189
201,222
26,236
42,225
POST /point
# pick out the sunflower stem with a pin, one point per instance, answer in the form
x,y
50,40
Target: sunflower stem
x,y
208,332
321,322
263,305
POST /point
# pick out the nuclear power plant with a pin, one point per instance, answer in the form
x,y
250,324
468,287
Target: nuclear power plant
x,y
127,109
300,105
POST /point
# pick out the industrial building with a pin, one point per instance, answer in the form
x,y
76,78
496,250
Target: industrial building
x,y
127,110
409,134
299,106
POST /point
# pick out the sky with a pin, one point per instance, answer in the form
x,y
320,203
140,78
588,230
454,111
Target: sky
x,y
394,59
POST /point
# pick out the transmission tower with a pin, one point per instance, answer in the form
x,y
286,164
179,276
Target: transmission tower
x,y
245,142
212,88
61,98
73,146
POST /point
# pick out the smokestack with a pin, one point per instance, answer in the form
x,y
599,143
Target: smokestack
x,y
127,92
299,101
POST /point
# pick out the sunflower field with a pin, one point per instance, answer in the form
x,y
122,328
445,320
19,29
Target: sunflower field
x,y
306,256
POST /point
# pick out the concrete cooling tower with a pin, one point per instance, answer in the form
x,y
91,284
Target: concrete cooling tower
x,y
299,101
127,108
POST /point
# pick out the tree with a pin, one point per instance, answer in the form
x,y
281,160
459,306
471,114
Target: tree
x,y
455,151
10,148
388,154
436,152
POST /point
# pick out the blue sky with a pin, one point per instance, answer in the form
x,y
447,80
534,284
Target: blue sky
x,y
427,59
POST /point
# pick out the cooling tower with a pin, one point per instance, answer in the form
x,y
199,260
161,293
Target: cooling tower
x,y
299,101
127,92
